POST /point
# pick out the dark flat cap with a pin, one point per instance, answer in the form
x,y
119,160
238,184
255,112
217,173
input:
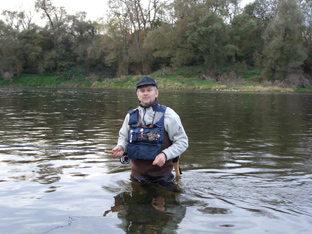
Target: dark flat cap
x,y
146,80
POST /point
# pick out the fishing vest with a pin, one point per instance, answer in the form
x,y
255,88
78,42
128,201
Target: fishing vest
x,y
145,141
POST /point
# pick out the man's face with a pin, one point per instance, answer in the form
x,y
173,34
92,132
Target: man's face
x,y
147,95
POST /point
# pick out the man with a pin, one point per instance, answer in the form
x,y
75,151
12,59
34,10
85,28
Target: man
x,y
153,136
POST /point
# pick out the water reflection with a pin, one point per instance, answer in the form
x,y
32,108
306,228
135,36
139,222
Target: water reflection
x,y
148,209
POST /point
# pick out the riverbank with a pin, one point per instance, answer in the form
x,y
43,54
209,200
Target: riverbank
x,y
165,82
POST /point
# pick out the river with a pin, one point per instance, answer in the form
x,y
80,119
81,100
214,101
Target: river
x,y
248,168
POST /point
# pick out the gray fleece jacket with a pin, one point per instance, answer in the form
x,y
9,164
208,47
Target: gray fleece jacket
x,y
173,127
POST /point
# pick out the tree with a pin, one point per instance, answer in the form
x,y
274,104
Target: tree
x,y
118,28
56,18
210,36
80,35
306,7
283,47
261,9
60,56
137,20
189,35
30,42
245,33
226,9
170,41
18,20
9,51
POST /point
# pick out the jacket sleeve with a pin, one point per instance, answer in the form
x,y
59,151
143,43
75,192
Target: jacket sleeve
x,y
123,133
176,133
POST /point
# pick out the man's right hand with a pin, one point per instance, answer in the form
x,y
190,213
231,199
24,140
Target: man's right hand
x,y
118,151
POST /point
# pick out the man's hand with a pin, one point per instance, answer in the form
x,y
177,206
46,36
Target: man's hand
x,y
160,160
118,151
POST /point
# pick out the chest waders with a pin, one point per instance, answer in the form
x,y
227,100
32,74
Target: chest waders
x,y
145,143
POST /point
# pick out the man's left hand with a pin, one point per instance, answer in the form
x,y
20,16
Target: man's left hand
x,y
160,160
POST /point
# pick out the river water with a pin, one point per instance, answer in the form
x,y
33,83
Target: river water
x,y
247,170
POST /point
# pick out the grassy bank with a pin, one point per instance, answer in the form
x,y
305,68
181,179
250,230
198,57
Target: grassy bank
x,y
47,81
187,79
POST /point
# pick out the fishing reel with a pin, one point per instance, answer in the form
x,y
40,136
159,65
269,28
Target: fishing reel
x,y
124,159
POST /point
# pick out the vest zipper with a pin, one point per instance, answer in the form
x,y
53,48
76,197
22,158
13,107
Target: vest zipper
x,y
143,119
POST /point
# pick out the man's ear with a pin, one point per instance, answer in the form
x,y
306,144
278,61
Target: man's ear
x,y
137,93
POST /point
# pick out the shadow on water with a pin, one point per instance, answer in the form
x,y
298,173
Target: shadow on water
x,y
247,170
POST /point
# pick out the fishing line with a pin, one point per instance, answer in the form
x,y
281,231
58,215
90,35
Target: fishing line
x,y
123,159
52,148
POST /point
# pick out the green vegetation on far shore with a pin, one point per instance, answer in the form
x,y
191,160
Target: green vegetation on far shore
x,y
248,82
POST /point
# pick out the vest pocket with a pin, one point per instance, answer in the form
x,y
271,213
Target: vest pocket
x,y
143,151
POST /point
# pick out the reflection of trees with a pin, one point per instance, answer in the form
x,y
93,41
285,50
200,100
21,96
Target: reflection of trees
x,y
228,122
148,209
65,114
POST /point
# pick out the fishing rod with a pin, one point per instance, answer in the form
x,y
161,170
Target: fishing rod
x,y
123,159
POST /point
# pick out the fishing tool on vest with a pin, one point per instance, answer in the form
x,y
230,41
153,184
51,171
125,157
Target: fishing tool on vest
x,y
153,136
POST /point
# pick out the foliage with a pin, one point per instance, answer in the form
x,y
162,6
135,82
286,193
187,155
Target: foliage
x,y
212,37
246,34
283,48
74,72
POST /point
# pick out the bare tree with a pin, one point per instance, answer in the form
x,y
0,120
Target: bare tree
x,y
55,15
